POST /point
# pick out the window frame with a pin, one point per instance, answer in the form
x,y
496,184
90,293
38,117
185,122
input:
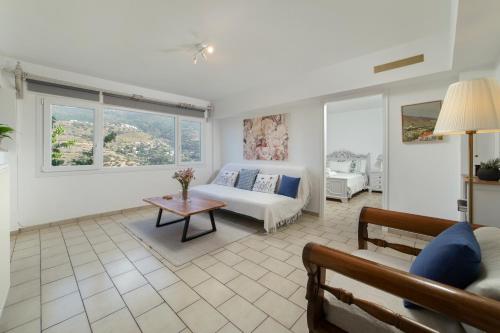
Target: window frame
x,y
98,166
47,134
179,141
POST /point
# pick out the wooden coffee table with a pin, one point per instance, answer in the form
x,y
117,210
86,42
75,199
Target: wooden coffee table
x,y
185,209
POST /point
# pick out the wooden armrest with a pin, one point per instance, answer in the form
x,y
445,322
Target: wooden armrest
x,y
425,225
465,307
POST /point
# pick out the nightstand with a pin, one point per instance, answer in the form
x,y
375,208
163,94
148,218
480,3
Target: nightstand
x,y
375,181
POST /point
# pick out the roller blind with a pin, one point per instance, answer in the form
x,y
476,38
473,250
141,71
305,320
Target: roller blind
x,y
62,90
150,105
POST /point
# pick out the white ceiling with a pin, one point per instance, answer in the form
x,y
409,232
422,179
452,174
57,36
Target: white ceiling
x,y
477,35
256,41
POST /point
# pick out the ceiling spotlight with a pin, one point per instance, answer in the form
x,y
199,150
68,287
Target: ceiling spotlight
x,y
202,50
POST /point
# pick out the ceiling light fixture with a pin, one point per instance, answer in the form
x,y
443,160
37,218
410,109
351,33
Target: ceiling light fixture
x,y
202,50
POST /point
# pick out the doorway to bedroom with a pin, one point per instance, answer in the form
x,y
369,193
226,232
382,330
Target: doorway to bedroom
x,y
354,155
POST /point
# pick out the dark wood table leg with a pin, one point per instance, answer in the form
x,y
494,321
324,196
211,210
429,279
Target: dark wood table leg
x,y
185,238
166,223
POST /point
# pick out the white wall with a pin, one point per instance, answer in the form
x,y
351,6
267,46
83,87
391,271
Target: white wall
x,y
423,178
305,143
4,235
49,197
359,131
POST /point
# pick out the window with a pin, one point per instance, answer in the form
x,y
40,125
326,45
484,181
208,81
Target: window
x,y
138,138
190,140
90,135
72,136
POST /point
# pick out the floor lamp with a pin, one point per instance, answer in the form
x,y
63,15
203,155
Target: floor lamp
x,y
470,107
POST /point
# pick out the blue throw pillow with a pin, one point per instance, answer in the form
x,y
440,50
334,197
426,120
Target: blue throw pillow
x,y
452,258
247,178
289,186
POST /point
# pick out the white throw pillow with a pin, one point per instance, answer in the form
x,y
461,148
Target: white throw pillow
x,y
341,166
265,183
359,166
226,178
488,283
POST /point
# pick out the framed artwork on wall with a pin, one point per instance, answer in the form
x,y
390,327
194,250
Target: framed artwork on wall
x,y
419,120
266,138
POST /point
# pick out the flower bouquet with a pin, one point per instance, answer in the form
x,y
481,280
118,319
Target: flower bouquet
x,y
184,177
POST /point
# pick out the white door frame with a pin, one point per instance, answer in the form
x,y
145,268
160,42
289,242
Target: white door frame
x,y
385,150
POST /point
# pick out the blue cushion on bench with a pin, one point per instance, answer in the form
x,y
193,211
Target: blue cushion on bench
x,y
452,258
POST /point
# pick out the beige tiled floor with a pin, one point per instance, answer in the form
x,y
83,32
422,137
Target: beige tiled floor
x,y
93,276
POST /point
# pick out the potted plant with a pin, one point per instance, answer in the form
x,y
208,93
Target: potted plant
x,y
5,132
184,177
489,170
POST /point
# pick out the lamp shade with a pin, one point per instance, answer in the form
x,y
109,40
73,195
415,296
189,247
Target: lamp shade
x,y
470,106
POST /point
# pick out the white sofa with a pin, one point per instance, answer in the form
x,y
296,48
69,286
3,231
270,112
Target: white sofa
x,y
274,209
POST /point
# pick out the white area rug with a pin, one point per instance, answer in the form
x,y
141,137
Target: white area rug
x,y
167,240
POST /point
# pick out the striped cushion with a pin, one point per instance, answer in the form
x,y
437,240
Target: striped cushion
x,y
247,178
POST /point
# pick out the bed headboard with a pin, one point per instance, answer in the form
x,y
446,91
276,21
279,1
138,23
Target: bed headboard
x,y
346,155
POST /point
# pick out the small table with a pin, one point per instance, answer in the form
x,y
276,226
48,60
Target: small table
x,y
185,209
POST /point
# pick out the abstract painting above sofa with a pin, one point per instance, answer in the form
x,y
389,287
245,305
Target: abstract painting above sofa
x,y
266,138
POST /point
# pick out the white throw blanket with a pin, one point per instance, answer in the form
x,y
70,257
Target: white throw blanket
x,y
275,210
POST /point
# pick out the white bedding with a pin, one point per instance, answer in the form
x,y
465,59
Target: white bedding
x,y
356,182
274,209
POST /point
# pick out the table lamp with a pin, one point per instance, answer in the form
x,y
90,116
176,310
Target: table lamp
x,y
470,107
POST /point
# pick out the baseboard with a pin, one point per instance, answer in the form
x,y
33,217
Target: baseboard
x,y
76,219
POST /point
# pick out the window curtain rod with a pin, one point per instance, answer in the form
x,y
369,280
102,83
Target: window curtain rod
x,y
20,76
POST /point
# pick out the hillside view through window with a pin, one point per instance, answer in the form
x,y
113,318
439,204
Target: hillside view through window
x,y
129,138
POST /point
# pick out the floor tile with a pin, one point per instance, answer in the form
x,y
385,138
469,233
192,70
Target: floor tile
x,y
298,276
56,260
118,322
20,264
161,278
201,317
25,275
192,275
255,244
214,292
61,309
83,258
56,273
104,247
142,299
148,265
270,325
59,288
250,269
137,254
179,295
118,267
205,261
103,304
247,288
242,314
228,257
281,309
94,284
301,325
235,247
278,267
160,319
110,256
252,255
23,291
30,327
20,313
299,298
222,272
87,270
76,324
276,253
128,281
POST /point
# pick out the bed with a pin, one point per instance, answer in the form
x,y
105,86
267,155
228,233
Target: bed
x,y
346,174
